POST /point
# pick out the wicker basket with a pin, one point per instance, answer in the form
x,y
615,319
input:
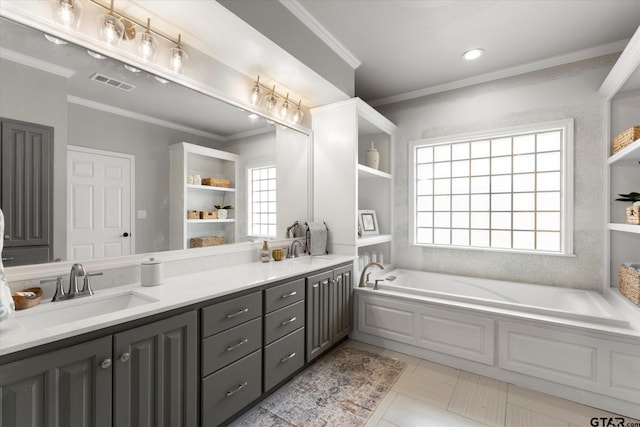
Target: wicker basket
x,y
193,214
22,301
629,283
208,215
625,138
201,242
217,182
633,215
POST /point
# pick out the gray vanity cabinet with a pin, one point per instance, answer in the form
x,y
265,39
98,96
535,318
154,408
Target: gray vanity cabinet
x,y
70,387
283,332
156,374
231,357
146,376
26,183
329,309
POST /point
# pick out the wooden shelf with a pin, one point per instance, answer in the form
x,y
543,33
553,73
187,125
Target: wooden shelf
x,y
209,188
365,172
630,152
627,228
373,240
204,221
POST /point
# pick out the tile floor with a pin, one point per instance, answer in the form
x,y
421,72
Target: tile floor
x,y
429,394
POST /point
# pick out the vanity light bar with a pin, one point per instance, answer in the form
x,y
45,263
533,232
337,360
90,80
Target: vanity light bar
x,y
111,82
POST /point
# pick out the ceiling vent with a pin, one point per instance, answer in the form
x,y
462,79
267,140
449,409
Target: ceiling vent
x,y
101,78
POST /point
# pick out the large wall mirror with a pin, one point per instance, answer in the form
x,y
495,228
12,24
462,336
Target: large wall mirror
x,y
92,107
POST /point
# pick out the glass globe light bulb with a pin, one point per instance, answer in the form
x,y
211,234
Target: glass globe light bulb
x,y
271,99
284,109
255,93
110,29
147,47
68,13
296,119
179,57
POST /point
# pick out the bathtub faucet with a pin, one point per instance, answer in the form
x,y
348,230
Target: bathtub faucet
x,y
365,281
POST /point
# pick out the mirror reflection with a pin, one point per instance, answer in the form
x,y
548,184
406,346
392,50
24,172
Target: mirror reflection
x,y
101,159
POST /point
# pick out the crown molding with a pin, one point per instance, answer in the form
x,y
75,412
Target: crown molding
x,y
554,61
141,117
319,30
32,62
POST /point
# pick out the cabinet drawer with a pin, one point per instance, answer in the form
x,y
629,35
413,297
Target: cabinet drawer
x,y
283,321
228,346
25,255
282,358
228,314
231,389
283,295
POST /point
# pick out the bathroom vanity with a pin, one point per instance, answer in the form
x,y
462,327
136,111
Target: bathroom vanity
x,y
197,350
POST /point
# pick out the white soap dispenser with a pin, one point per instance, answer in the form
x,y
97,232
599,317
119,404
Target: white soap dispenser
x,y
151,273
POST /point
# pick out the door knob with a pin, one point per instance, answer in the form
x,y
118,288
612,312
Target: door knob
x,y
125,234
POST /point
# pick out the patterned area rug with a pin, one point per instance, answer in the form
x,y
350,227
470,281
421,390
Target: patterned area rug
x,y
342,389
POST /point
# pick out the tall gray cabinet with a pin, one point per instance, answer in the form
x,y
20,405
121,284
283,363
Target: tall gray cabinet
x,y
26,186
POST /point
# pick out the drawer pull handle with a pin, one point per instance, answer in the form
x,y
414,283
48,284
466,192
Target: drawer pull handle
x,y
106,363
238,344
237,389
124,357
238,313
291,356
7,258
286,322
285,296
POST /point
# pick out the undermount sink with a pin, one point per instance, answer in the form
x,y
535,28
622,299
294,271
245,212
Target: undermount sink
x,y
57,313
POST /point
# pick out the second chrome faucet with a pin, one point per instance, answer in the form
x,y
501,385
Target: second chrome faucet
x,y
77,271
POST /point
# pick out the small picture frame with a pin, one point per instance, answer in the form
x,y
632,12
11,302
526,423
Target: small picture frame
x,y
368,222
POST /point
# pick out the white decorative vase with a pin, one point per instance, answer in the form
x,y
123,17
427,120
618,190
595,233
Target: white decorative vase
x,y
373,157
222,214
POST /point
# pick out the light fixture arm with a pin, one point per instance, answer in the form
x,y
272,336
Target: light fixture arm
x,y
115,13
272,91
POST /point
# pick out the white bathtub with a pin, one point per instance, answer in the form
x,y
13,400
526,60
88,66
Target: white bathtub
x,y
569,343
559,302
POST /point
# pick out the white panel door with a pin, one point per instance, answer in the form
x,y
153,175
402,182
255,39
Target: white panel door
x,y
99,194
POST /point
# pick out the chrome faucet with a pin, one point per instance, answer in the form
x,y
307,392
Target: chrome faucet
x,y
77,270
293,250
364,280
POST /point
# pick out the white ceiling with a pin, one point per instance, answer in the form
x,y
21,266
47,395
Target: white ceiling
x,y
410,48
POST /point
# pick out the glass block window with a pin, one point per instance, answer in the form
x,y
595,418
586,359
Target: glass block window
x,y
511,190
262,201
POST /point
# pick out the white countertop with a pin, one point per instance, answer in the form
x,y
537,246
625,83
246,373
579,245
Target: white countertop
x,y
16,334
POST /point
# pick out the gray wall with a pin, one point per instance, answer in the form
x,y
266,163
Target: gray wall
x,y
22,97
568,91
149,143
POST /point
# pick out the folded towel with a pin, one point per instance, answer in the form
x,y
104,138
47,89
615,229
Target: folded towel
x,y
6,302
317,238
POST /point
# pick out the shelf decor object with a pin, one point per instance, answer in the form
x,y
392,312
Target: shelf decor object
x,y
625,138
373,157
629,284
633,215
368,222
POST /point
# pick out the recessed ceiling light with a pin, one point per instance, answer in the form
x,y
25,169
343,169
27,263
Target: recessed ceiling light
x,y
95,55
472,54
253,116
131,68
161,80
54,40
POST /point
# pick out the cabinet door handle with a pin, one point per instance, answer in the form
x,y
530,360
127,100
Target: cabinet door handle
x,y
238,344
124,357
238,313
106,363
7,258
237,389
284,359
286,322
290,294
315,285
